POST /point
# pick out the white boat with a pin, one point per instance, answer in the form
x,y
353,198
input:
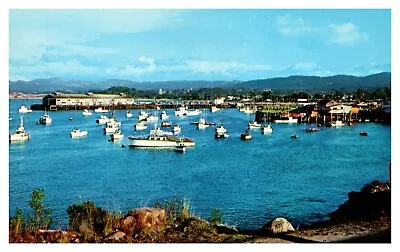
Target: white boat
x,y
159,141
76,133
19,134
266,129
220,129
160,132
143,115
337,123
192,112
202,124
128,114
24,109
45,119
115,122
101,110
117,135
286,119
214,109
10,118
109,128
254,125
140,125
151,118
86,112
102,119
176,129
181,111
164,116
165,124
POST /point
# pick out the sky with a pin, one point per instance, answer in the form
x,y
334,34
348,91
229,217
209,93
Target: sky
x,y
197,44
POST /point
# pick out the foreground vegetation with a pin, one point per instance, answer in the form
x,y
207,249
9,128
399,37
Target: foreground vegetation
x,y
173,221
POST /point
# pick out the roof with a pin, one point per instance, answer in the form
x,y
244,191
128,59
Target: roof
x,y
86,95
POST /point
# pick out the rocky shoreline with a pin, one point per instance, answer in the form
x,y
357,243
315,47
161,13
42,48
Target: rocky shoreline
x,y
364,218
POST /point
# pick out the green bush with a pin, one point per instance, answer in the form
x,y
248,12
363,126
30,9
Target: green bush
x,y
41,217
176,209
216,216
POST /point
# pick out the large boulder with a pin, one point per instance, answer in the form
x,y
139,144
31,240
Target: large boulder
x,y
142,218
279,225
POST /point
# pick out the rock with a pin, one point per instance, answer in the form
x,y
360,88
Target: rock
x,y
279,225
144,218
117,236
222,228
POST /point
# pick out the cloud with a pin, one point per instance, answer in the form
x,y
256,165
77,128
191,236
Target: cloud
x,y
288,25
144,65
346,34
305,66
222,67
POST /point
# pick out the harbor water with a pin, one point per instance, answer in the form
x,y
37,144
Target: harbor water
x,y
251,182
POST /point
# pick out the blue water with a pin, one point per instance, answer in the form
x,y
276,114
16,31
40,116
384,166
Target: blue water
x,y
250,181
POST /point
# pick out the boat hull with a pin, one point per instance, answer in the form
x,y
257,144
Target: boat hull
x,y
136,142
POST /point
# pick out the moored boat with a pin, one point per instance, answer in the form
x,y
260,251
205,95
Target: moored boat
x,y
363,133
110,127
20,134
254,125
163,115
45,119
180,146
214,109
165,124
246,135
176,129
86,112
312,130
159,141
202,124
76,133
102,119
101,110
192,112
266,129
128,114
294,136
141,125
181,111
286,119
337,123
24,109
117,135
220,129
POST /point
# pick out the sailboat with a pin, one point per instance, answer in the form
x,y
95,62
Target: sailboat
x,y
19,134
45,119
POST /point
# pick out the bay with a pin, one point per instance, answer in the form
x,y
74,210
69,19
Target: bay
x,y
251,182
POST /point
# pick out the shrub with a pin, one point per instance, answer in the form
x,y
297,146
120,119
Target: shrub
x,y
176,209
17,223
41,214
216,216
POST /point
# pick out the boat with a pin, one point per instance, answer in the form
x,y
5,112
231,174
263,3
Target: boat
x,y
220,129
363,133
10,118
214,109
176,129
312,130
337,123
202,124
45,119
101,110
155,140
192,112
266,129
181,111
24,109
76,133
143,115
163,115
117,135
247,110
294,136
70,118
254,125
128,114
86,112
221,135
114,121
151,119
246,135
160,132
109,128
102,119
286,119
165,124
141,125
20,134
180,146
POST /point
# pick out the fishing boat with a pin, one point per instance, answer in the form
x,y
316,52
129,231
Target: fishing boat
x,y
86,112
128,114
246,135
102,119
20,134
192,112
45,119
214,109
117,135
286,119
176,129
141,125
155,140
24,109
101,110
181,111
266,129
76,133
254,125
165,124
110,127
163,115
220,129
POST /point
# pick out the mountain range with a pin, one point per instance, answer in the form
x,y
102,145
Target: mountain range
x,y
303,83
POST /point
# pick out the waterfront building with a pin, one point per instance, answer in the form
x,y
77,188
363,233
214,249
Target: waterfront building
x,y
59,100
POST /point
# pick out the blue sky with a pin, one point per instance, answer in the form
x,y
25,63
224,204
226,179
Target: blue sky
x,y
193,44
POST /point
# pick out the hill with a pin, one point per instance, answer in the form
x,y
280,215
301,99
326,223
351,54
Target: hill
x,y
303,83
